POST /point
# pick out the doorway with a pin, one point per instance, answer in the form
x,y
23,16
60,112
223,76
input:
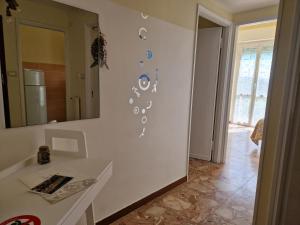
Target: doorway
x,y
44,74
239,148
252,67
207,62
250,82
253,60
207,124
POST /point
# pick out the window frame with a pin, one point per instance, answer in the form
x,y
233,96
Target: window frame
x,y
259,46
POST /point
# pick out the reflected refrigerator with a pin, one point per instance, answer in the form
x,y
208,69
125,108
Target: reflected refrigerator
x,y
35,97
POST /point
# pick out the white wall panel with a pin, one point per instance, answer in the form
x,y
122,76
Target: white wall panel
x,y
141,166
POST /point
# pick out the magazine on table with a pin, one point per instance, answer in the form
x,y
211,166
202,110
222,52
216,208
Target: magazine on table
x,y
55,185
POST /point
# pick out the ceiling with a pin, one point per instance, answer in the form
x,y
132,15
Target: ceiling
x,y
235,6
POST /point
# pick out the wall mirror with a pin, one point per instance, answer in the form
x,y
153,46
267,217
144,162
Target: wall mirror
x,y
48,71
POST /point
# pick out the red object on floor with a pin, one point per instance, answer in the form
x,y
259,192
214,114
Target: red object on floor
x,y
29,220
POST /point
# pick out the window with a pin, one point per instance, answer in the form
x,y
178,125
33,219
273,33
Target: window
x,y
250,88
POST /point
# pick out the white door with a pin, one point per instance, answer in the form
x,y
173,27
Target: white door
x,y
36,105
205,89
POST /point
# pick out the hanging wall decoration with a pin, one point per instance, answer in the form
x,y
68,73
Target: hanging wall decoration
x,y
99,52
142,33
12,5
144,16
149,54
146,85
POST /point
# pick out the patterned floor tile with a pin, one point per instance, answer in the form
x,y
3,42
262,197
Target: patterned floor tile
x,y
214,195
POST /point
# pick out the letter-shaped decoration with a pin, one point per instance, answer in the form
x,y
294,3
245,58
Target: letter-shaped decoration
x,y
149,105
144,16
136,110
144,120
143,132
142,33
135,90
149,54
154,89
156,74
144,82
131,101
143,111
141,63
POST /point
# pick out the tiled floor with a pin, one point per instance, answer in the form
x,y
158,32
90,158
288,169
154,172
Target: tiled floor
x,y
214,194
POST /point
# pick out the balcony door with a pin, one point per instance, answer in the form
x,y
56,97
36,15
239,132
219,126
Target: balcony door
x,y
250,88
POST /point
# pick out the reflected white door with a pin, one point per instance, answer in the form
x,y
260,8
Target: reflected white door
x,y
205,89
36,105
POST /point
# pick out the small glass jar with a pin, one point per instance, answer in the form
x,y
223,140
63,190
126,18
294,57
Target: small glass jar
x,y
43,155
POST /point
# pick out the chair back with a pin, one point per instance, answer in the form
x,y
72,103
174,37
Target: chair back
x,y
66,142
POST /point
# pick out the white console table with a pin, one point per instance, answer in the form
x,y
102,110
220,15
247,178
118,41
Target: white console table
x,y
15,199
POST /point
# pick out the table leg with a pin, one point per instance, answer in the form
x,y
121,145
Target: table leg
x,y
90,220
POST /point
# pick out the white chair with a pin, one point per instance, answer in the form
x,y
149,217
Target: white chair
x,y
72,143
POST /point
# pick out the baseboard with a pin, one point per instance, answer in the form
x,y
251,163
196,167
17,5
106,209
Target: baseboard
x,y
202,157
140,203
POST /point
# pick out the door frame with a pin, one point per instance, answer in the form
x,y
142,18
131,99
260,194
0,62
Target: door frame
x,y
4,81
227,119
272,195
197,119
220,127
221,152
87,37
88,70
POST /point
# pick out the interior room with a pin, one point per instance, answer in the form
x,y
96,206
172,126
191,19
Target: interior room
x,y
251,76
158,112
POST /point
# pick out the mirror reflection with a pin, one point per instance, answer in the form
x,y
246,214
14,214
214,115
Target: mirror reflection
x,y
48,68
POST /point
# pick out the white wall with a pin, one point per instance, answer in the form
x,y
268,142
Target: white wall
x,y
141,166
257,33
256,15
